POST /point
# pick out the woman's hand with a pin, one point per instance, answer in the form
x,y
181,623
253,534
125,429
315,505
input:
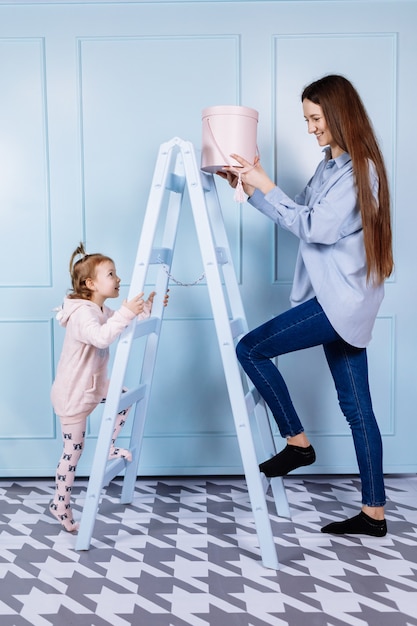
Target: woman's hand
x,y
233,178
252,176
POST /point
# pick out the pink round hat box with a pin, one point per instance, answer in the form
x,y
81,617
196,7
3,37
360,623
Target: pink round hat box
x,y
228,129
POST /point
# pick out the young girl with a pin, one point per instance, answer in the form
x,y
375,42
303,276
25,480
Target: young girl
x,y
342,219
81,379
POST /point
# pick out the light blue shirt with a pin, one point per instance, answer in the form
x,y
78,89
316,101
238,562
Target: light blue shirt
x,y
331,261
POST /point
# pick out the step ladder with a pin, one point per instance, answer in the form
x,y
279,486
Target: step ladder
x,y
177,171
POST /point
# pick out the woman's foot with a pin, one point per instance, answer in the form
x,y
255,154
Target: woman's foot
x,y
288,460
119,453
63,514
361,524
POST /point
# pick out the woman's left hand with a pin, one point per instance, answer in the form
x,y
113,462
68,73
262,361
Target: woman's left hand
x,y
233,178
253,176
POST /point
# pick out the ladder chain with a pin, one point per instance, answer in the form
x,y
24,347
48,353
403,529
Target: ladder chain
x,y
175,280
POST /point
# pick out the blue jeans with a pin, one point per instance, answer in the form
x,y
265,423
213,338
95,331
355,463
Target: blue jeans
x,y
302,327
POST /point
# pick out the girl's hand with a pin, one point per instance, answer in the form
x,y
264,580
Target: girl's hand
x,y
151,296
149,302
136,304
147,308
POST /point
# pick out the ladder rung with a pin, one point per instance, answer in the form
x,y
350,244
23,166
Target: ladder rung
x,y
131,396
265,482
146,327
161,255
252,398
237,327
175,183
113,468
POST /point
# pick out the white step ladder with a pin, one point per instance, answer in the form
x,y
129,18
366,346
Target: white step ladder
x,y
176,170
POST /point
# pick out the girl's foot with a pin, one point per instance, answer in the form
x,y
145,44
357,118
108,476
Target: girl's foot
x,y
119,453
64,517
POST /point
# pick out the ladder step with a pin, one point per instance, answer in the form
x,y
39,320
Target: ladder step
x,y
237,327
160,256
175,182
113,468
131,396
146,327
252,398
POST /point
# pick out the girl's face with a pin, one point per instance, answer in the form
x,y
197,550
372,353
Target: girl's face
x,y
105,284
317,125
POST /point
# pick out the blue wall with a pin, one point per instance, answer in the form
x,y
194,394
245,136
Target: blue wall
x,y
88,93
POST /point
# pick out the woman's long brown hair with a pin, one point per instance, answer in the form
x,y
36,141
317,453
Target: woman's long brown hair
x,y
352,131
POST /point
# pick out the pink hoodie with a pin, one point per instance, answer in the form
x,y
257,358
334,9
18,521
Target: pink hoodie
x,y
81,379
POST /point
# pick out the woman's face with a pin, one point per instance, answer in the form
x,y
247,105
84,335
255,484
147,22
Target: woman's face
x,y
317,125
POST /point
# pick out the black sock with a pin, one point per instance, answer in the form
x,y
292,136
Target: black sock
x,y
361,524
287,460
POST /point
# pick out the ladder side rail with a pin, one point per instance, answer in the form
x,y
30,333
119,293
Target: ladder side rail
x,y
156,198
221,239
280,496
236,395
266,434
161,286
237,310
260,411
236,307
231,368
140,412
151,348
98,470
147,236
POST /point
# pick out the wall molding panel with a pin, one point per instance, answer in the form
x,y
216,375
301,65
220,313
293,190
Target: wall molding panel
x,y
24,415
24,162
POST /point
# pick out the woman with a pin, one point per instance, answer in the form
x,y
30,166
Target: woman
x,y
342,219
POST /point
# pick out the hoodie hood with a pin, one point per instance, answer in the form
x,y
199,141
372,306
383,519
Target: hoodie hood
x,y
68,307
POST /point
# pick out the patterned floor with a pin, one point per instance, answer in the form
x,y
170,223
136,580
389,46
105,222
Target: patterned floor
x,y
185,553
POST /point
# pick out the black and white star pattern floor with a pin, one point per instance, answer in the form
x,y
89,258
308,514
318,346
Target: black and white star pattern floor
x,y
185,553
